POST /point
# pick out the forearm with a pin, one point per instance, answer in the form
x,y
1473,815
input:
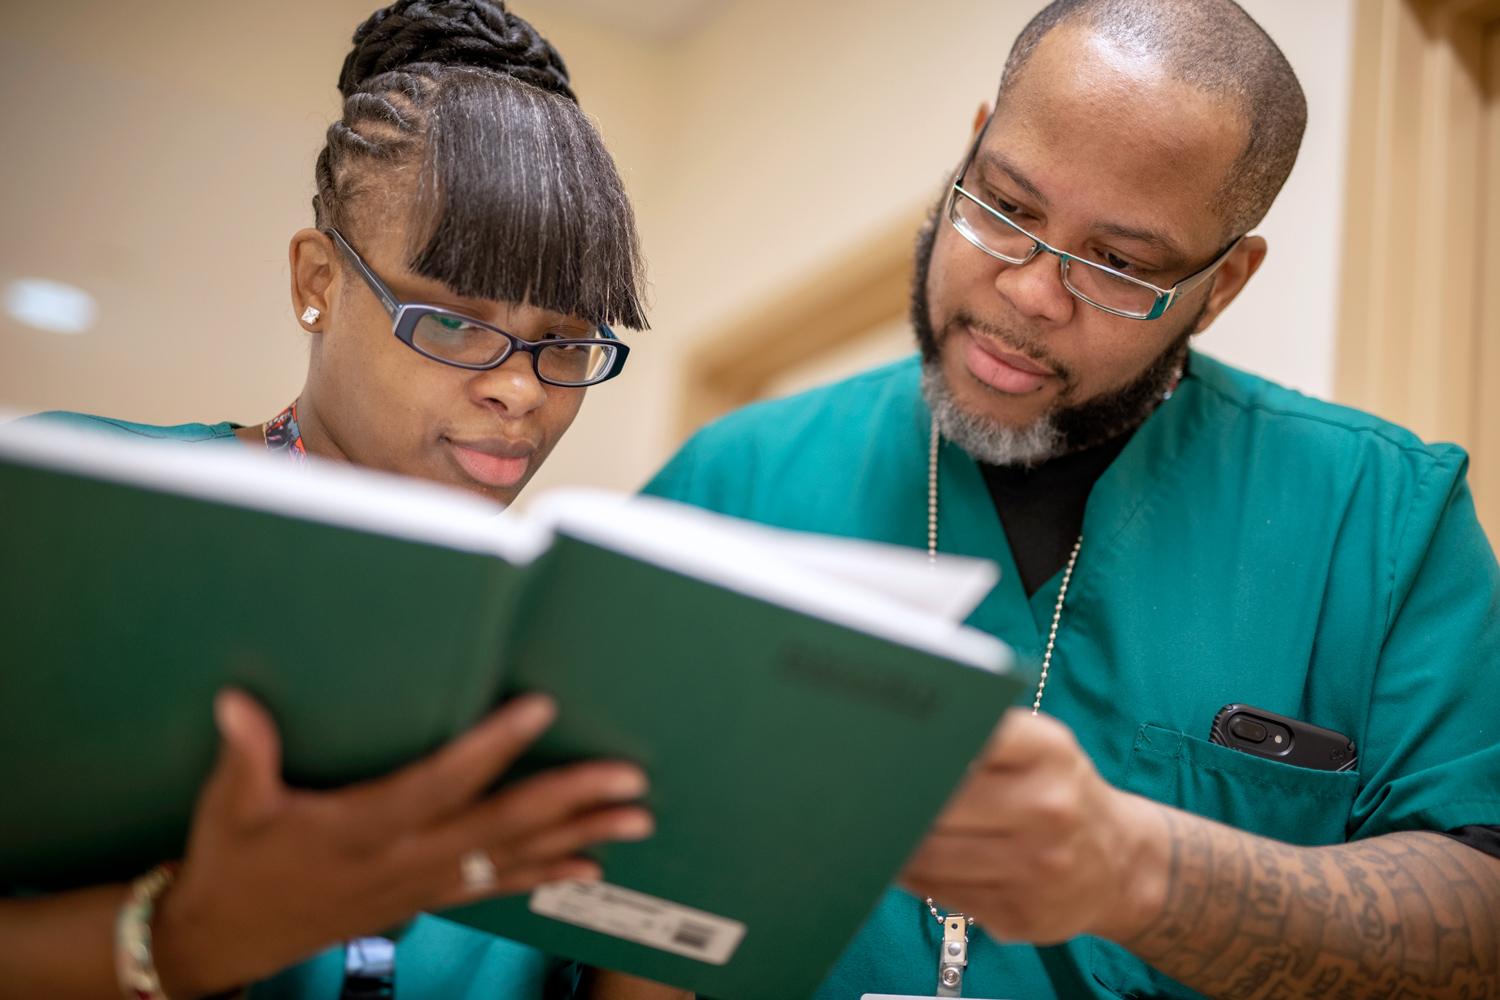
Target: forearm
x,y
602,984
60,946
1244,917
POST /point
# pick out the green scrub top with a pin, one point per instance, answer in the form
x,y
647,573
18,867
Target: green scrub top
x,y
436,959
1248,545
220,433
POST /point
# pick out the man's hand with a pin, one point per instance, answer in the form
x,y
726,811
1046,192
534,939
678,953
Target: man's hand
x,y
1036,846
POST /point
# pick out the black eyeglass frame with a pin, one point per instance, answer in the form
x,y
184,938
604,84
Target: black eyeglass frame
x,y
1165,297
406,315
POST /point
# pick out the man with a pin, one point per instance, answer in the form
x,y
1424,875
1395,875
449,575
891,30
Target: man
x,y
1174,536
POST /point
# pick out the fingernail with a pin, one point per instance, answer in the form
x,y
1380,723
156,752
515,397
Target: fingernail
x,y
626,785
588,871
638,826
228,714
535,714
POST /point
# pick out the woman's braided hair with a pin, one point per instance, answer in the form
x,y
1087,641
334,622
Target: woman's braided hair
x,y
516,197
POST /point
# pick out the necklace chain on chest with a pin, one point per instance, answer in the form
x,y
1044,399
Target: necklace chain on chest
x,y
953,952
932,534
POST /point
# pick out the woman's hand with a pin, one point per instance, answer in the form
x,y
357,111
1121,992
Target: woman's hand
x,y
273,874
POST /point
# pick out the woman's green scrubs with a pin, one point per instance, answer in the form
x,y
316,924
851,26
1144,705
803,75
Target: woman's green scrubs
x,y
435,958
1248,545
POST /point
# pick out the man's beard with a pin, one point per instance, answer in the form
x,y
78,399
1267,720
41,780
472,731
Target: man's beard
x,y
1062,429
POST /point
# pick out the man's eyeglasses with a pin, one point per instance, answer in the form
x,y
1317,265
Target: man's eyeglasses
x,y
1101,287
463,342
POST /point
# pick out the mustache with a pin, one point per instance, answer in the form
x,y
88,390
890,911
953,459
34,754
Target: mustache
x,y
928,339
1017,342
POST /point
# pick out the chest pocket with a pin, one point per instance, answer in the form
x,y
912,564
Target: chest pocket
x,y
1293,804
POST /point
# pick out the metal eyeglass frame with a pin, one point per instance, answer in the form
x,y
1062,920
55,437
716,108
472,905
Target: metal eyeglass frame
x,y
1165,297
406,315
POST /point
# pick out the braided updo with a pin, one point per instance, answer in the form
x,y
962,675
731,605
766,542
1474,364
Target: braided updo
x,y
516,197
483,35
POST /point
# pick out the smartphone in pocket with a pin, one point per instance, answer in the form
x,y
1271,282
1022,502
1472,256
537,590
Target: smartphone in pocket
x,y
1265,734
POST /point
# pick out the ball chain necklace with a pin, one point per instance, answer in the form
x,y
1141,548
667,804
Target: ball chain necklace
x,y
932,522
953,953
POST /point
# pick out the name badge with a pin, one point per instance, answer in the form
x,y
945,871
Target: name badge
x,y
635,916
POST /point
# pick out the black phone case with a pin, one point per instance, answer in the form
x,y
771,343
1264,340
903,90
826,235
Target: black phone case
x,y
1302,744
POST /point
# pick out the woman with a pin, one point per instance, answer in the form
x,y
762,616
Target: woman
x,y
461,176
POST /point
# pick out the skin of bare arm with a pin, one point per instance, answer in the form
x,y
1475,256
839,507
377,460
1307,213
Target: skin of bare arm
x,y
602,984
273,874
1037,847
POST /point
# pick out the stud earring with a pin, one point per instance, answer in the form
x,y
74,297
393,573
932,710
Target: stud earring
x,y
310,315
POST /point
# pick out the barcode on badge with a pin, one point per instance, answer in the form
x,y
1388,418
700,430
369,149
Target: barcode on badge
x,y
635,916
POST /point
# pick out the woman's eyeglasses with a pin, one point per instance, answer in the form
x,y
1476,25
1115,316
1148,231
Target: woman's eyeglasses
x,y
454,339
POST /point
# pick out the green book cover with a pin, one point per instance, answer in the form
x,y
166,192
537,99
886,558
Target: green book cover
x,y
803,705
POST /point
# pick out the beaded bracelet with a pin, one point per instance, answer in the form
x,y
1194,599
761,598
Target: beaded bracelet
x,y
134,965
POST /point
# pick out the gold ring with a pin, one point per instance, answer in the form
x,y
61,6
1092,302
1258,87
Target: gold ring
x,y
477,869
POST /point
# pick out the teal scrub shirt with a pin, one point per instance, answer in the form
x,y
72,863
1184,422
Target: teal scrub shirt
x,y
436,959
220,433
1248,545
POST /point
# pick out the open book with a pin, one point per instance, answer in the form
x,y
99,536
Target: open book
x,y
803,704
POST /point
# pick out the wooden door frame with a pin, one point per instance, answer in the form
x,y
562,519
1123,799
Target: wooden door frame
x,y
1419,341
865,288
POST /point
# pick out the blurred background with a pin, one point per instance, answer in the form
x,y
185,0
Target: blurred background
x,y
158,155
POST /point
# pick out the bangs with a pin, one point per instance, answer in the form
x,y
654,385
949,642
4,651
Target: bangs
x,y
519,201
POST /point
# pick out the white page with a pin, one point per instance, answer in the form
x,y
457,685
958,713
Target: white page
x,y
950,587
734,554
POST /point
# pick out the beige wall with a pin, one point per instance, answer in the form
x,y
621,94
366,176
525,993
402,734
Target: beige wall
x,y
161,156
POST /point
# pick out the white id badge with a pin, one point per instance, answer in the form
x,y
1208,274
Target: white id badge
x,y
635,916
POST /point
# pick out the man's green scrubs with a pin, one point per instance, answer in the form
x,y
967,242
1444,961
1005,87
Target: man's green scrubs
x,y
436,959
1248,545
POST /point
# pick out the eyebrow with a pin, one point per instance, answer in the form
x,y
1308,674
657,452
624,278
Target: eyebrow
x,y
1000,163
1151,237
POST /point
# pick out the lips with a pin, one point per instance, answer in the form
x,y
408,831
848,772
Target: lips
x,y
494,462
1003,370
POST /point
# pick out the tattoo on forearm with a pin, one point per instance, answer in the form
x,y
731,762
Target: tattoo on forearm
x,y
1399,917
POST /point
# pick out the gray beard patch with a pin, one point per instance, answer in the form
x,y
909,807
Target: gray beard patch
x,y
984,440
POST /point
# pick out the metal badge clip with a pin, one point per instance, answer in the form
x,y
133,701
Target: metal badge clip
x,y
953,955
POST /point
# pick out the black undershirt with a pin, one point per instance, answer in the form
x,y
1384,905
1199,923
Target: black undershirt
x,y
1041,510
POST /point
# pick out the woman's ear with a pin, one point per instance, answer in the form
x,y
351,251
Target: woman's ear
x,y
311,258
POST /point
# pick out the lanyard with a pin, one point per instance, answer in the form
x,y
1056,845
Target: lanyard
x,y
284,437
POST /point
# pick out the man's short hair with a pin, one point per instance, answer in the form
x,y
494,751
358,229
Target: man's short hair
x,y
1212,45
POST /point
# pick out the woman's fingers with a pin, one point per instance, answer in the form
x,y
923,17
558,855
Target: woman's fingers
x,y
430,790
518,880
547,800
550,855
545,820
622,823
246,782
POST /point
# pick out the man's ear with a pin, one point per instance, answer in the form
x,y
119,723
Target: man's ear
x,y
1231,277
312,265
980,117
